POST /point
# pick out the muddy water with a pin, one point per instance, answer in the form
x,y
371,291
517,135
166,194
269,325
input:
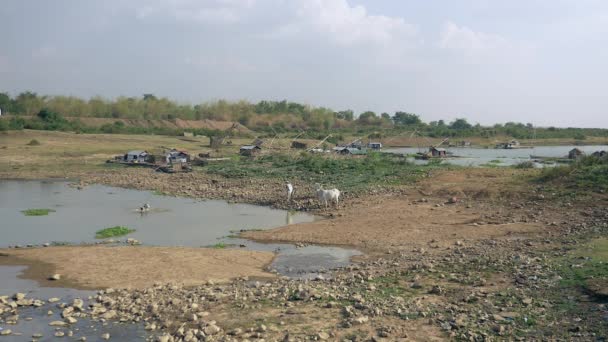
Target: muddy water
x,y
36,320
171,222
480,156
80,213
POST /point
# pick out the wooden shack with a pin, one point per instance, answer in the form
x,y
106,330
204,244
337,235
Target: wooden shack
x,y
249,150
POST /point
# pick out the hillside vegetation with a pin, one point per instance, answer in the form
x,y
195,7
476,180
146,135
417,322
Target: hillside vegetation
x,y
30,110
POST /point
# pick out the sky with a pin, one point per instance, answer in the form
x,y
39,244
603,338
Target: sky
x,y
538,61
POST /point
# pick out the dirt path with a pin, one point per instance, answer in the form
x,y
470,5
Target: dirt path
x,y
94,267
398,223
421,215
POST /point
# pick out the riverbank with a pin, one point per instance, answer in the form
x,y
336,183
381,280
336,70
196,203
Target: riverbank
x,y
468,254
137,267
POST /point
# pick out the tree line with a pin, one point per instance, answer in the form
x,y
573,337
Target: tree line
x,y
265,116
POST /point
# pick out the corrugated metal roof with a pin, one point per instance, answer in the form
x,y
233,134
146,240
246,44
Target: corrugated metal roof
x,y
249,147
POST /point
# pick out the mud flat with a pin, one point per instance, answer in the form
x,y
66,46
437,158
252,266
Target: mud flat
x,y
95,267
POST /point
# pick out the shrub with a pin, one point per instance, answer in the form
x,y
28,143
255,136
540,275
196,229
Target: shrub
x,y
37,212
112,232
34,142
528,164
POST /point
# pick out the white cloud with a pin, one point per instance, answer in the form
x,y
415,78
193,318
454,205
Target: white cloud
x,y
206,11
476,46
349,25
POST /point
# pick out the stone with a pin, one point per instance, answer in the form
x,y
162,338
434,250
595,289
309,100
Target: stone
x,y
18,296
6,332
71,320
211,329
58,324
322,336
361,319
53,300
59,334
165,338
78,304
105,336
55,276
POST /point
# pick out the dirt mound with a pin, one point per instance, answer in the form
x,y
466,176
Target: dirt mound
x,y
136,267
172,124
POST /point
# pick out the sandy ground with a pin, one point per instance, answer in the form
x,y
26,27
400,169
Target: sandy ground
x,y
94,267
397,223
421,215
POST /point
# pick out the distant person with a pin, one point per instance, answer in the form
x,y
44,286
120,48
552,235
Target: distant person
x,y
289,191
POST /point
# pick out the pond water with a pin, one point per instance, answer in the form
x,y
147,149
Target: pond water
x,y
172,221
480,156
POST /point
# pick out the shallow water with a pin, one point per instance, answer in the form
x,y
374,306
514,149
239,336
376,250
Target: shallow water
x,y
36,320
172,221
480,156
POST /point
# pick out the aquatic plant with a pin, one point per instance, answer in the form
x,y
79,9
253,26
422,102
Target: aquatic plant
x,y
37,212
112,232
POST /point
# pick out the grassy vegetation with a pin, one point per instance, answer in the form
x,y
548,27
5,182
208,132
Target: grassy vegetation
x,y
113,232
34,142
37,212
524,165
587,265
346,173
590,173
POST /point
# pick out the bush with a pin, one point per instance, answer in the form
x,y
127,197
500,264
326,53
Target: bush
x,y
37,212
112,232
34,142
586,173
528,164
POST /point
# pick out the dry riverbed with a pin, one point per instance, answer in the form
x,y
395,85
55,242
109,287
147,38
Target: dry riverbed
x,y
469,254
98,267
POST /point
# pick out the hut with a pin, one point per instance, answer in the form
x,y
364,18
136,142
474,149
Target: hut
x,y
575,153
374,145
136,157
438,152
299,145
174,157
249,150
352,151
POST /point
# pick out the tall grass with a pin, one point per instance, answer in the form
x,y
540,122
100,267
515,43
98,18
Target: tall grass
x,y
589,173
345,172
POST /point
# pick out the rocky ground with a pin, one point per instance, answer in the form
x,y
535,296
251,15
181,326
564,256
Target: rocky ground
x,y
461,256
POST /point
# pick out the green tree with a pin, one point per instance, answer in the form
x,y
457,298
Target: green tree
x,y
405,119
460,124
6,103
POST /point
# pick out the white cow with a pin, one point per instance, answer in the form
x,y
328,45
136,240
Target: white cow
x,y
289,191
327,196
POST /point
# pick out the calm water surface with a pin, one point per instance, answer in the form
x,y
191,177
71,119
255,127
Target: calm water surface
x,y
479,156
172,221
